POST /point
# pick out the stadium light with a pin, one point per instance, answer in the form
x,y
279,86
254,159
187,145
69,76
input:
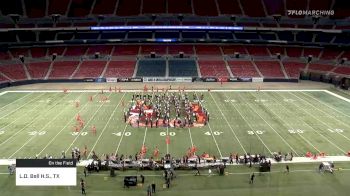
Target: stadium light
x,y
160,27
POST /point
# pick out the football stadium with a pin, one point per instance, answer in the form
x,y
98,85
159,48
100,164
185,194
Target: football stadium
x,y
174,97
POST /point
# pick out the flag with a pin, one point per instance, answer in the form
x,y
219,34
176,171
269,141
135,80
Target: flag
x,y
167,140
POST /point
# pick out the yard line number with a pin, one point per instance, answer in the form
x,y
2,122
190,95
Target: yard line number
x,y
77,133
258,132
336,130
164,134
215,133
293,131
119,134
32,133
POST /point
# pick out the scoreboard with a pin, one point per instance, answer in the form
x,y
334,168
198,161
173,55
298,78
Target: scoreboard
x,y
46,172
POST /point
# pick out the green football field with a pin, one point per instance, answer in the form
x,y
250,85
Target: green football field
x,y
41,123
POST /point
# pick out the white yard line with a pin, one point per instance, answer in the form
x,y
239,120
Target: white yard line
x,y
338,96
324,113
47,124
328,114
245,121
27,125
14,100
233,132
192,90
342,150
22,117
290,126
189,132
63,127
106,125
3,93
120,141
12,111
216,143
144,137
249,105
86,125
167,134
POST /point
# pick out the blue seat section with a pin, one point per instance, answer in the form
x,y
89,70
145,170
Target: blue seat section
x,y
182,68
149,68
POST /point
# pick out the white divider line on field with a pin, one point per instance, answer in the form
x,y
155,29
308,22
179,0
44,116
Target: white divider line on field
x,y
289,125
212,134
189,132
22,116
324,113
27,125
38,154
338,96
249,105
329,106
190,90
120,141
247,122
106,125
3,93
13,111
14,100
216,143
229,125
305,111
91,118
167,143
47,124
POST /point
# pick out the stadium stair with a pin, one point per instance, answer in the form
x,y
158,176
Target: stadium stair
x,y
76,70
49,71
256,68
283,70
25,68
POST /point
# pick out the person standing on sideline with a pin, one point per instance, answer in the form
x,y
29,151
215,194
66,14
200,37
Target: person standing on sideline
x,y
82,185
142,178
287,169
252,178
149,191
153,187
85,172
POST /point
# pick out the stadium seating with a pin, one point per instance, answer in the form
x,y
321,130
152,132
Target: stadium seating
x,y
294,52
120,69
75,51
159,50
342,70
182,68
243,69
63,69
207,50
205,7
175,49
253,8
213,68
293,68
229,7
153,6
38,70
320,67
104,7
90,69
315,52
330,54
180,7
126,50
14,71
230,50
150,67
128,7
38,52
103,50
257,50
4,55
270,69
58,50
3,79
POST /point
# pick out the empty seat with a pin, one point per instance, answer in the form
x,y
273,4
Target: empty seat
x,y
120,69
148,67
182,68
243,69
